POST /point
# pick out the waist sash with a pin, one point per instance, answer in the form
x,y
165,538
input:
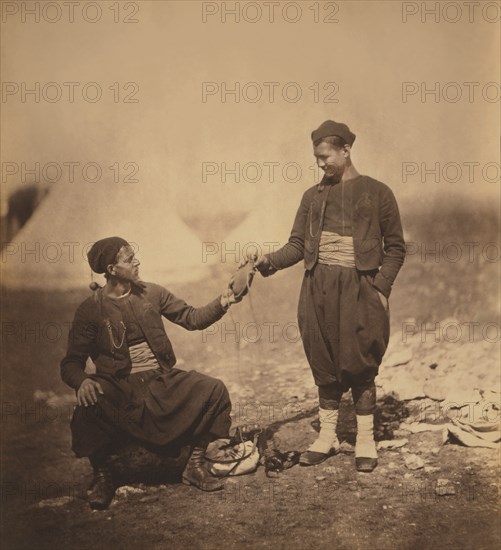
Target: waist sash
x,y
335,249
142,358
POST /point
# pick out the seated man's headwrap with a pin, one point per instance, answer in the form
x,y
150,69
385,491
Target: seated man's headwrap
x,y
104,252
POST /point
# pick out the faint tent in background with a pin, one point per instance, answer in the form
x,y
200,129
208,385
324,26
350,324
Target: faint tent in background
x,y
266,228
50,250
213,227
212,208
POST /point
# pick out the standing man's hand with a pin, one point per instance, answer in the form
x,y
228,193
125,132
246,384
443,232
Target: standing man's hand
x,y
260,262
87,392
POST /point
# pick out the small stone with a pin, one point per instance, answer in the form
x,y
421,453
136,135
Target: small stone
x,y
434,390
444,487
329,470
127,490
398,357
405,385
150,498
345,447
54,502
418,427
414,462
392,443
431,469
435,451
320,478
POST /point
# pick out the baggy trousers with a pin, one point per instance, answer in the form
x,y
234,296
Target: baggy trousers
x,y
344,326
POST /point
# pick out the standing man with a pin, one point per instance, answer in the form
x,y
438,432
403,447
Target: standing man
x,y
348,232
136,392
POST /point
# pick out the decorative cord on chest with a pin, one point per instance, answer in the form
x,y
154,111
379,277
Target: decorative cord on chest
x,y
322,215
112,339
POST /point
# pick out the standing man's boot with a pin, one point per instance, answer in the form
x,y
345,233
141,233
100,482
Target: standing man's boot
x,y
365,448
327,443
197,474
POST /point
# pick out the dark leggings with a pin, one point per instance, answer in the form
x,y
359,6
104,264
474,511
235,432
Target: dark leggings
x,y
364,397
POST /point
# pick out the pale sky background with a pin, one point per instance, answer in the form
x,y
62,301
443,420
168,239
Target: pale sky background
x,y
170,132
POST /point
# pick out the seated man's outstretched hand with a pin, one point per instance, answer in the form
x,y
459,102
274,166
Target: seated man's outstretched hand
x,y
239,284
228,297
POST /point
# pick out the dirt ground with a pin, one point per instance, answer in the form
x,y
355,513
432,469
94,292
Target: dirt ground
x,y
327,506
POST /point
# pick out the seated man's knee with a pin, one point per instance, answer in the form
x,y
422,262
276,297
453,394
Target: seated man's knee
x,y
220,389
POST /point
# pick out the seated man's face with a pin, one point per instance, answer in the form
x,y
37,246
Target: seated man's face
x,y
127,265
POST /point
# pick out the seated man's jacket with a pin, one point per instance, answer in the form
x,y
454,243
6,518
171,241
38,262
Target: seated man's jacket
x,y
97,331
377,232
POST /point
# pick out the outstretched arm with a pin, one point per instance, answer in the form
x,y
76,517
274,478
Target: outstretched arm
x,y
194,318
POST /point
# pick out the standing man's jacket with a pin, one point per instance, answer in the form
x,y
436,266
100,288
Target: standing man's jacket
x,y
377,232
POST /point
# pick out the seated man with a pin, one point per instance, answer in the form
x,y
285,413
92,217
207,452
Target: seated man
x,y
136,391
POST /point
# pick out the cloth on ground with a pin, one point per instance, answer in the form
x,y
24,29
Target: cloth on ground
x,y
473,435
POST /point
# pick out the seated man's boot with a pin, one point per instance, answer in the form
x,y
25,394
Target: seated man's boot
x,y
197,474
102,490
326,444
365,448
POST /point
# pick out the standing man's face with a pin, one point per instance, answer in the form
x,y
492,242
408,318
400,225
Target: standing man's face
x,y
127,265
332,160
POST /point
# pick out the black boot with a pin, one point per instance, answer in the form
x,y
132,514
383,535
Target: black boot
x,y
102,490
197,474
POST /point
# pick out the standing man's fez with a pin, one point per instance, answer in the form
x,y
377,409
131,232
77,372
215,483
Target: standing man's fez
x,y
331,128
104,252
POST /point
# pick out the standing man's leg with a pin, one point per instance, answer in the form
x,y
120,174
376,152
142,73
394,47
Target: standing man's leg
x,y
371,341
318,318
327,443
364,398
